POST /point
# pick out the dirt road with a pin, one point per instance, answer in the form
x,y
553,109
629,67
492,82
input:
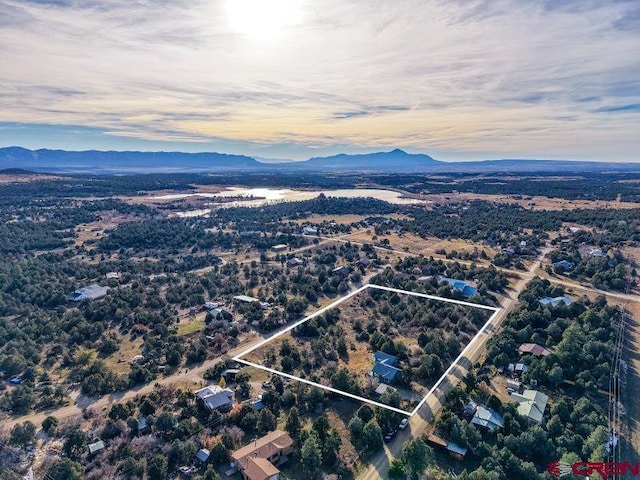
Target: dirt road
x,y
193,376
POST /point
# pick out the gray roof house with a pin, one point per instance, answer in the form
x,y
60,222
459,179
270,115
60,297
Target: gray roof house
x,y
214,397
531,404
487,418
90,292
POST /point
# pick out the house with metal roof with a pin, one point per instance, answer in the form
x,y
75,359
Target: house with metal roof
x,y
215,397
454,450
245,299
96,447
487,418
531,404
381,357
203,455
384,367
90,292
460,285
555,301
221,314
563,264
385,372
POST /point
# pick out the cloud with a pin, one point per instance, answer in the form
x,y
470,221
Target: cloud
x,y
635,107
507,77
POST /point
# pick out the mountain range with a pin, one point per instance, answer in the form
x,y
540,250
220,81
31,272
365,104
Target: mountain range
x,y
105,162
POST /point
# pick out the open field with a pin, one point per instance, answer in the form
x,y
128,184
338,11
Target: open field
x,y
535,202
119,361
27,177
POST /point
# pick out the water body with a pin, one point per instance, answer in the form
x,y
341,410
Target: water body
x,y
256,197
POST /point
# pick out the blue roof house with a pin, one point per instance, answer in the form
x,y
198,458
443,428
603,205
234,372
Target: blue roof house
x,y
460,285
384,367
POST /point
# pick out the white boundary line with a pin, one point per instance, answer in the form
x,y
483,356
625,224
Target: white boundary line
x,y
238,358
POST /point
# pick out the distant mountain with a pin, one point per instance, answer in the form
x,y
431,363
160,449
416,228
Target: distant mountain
x,y
61,161
396,160
16,171
93,161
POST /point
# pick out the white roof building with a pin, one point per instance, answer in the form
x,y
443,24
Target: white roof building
x,y
214,397
531,404
90,292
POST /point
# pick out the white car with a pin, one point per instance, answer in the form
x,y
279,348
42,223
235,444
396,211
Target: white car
x,y
403,423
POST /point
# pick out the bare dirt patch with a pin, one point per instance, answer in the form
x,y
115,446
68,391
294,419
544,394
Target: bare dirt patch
x,y
120,361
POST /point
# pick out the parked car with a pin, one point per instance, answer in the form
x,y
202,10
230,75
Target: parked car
x,y
403,423
267,385
390,436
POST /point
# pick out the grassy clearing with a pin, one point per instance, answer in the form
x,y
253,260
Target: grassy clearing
x,y
191,327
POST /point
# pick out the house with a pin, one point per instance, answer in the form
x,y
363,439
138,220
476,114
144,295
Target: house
x,y
342,270
425,279
143,426
221,314
574,229
381,357
257,404
454,450
383,388
384,367
596,252
256,460
531,404
555,301
112,276
309,231
534,349
90,292
96,447
279,247
563,265
294,262
470,409
214,397
518,368
364,261
203,455
211,305
460,285
245,299
487,418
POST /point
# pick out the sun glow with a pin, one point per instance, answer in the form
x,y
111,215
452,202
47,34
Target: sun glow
x,y
262,18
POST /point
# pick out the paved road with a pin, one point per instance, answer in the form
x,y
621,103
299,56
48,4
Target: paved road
x,y
379,465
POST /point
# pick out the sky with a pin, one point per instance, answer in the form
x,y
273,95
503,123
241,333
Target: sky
x,y
293,79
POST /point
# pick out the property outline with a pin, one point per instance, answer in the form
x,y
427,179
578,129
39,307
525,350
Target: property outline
x,y
238,357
